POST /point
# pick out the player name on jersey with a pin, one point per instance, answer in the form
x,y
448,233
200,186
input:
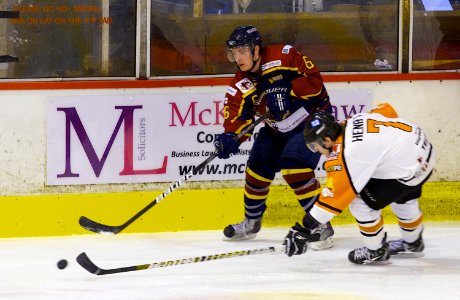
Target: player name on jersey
x,y
358,130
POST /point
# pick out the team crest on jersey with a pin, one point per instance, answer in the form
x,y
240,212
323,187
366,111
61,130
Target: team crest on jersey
x,y
334,152
286,49
336,148
244,85
271,64
231,91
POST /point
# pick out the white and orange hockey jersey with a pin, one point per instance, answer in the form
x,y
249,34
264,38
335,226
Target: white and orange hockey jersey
x,y
373,146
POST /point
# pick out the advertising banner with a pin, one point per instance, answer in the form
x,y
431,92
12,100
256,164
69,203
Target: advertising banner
x,y
149,138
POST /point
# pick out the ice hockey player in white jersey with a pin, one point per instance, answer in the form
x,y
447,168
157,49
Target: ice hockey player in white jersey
x,y
373,160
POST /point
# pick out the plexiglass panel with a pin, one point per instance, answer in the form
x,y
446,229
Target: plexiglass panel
x,y
436,35
67,38
188,37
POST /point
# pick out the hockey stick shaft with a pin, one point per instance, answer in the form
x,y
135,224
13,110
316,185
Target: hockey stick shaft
x,y
84,261
91,225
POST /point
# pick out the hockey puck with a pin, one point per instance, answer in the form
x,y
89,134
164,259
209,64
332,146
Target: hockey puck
x,y
62,264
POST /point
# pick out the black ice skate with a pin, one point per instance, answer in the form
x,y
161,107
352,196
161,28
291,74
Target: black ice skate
x,y
366,256
325,241
402,248
245,230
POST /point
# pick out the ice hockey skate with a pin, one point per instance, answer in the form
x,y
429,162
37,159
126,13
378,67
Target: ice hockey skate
x,y
245,230
366,256
325,241
401,248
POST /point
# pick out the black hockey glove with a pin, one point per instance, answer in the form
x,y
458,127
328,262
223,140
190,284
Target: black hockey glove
x,y
278,99
296,241
226,145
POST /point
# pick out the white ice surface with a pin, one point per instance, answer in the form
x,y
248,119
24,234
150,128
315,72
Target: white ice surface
x,y
28,268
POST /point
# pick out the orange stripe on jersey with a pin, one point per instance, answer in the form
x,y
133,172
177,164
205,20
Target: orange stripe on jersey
x,y
339,191
372,229
411,225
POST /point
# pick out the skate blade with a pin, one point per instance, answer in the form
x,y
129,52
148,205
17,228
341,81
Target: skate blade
x,y
322,245
241,238
377,263
408,255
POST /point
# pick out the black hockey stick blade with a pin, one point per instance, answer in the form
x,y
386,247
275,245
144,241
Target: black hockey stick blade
x,y
84,261
96,227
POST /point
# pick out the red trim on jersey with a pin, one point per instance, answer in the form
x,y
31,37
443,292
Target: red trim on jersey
x,y
205,81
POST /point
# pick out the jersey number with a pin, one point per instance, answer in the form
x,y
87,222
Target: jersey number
x,y
226,112
373,126
308,63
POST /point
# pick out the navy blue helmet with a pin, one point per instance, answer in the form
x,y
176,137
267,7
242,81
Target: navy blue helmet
x,y
244,36
318,126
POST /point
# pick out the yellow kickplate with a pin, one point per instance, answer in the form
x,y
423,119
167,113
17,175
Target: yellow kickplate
x,y
57,215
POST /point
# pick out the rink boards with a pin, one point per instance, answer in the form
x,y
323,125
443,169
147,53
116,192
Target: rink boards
x,y
182,210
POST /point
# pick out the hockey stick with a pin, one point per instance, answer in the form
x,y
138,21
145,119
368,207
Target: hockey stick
x,y
91,267
94,226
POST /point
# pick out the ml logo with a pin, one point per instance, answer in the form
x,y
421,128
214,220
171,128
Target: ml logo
x,y
72,120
